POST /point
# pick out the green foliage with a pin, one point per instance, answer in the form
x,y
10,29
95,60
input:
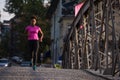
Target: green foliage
x,y
58,66
26,7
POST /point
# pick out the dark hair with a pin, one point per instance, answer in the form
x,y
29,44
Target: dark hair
x,y
33,17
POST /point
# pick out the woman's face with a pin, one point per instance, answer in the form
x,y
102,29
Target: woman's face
x,y
33,21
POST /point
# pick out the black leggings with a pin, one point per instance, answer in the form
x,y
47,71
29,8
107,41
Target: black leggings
x,y
33,48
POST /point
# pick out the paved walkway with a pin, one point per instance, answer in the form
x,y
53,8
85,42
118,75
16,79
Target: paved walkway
x,y
26,73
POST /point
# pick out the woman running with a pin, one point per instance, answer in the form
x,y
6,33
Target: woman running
x,y
33,32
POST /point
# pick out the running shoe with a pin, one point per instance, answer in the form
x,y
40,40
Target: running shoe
x,y
34,67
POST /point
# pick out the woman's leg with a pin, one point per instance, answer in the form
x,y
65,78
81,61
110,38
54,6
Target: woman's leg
x,y
31,45
36,48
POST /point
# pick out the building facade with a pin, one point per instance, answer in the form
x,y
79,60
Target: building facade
x,y
61,15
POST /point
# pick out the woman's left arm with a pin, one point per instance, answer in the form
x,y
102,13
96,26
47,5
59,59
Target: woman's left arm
x,y
41,35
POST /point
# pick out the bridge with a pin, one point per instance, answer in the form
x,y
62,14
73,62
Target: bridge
x,y
93,41
91,48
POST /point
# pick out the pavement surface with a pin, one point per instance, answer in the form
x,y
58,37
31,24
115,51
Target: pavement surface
x,y
107,76
42,73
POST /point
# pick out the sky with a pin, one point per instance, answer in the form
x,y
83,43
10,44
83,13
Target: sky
x,y
4,15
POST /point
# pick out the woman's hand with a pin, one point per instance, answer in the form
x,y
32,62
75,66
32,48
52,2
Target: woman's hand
x,y
41,35
40,39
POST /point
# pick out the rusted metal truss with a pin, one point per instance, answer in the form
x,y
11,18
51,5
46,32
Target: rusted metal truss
x,y
94,39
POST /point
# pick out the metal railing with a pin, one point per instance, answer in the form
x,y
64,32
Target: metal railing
x,y
95,45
